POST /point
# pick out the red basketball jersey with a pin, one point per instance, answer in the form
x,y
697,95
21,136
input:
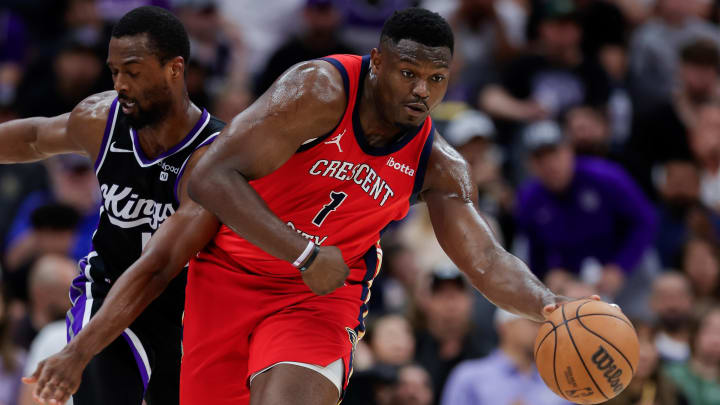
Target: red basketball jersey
x,y
337,189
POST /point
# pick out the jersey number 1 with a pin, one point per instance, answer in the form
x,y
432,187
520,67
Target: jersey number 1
x,y
336,198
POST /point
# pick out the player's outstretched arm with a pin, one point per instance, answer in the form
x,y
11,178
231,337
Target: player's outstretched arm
x,y
181,236
80,131
467,239
304,103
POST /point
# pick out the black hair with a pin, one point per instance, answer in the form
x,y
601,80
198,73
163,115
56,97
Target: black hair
x,y
55,217
419,25
702,52
166,34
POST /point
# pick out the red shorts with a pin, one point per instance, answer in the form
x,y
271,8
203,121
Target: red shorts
x,y
239,322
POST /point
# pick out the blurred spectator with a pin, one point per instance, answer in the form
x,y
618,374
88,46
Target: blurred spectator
x,y
16,183
699,377
364,20
75,73
672,302
391,340
12,358
413,386
662,134
13,50
50,280
701,265
262,31
553,76
655,47
52,232
507,376
319,38
374,386
588,132
649,386
705,144
573,287
448,337
233,98
112,10
472,134
394,288
73,184
481,43
681,214
616,233
620,106
215,49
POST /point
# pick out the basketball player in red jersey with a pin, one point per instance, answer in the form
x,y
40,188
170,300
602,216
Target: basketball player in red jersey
x,y
305,180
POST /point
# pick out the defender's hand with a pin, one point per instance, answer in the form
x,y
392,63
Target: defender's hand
x,y
327,272
57,377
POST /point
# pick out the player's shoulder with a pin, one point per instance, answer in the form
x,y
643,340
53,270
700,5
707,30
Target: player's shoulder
x,y
94,108
317,79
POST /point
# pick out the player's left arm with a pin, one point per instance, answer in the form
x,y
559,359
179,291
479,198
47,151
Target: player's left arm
x,y
180,237
466,237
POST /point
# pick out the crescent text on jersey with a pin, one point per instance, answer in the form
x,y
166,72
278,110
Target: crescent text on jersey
x,y
317,239
361,174
126,210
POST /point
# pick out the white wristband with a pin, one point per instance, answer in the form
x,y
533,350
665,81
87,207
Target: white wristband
x,y
304,255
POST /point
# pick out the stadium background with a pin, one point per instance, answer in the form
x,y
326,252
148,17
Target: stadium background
x,y
592,128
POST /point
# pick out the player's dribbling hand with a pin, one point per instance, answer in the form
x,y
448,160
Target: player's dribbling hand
x,y
559,300
57,377
327,272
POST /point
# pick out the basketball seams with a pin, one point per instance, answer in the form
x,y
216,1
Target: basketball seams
x,y
572,340
585,316
537,349
609,343
557,383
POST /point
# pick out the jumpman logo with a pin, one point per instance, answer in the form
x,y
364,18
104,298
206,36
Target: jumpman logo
x,y
336,140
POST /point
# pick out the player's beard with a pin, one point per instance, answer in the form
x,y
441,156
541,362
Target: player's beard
x,y
157,108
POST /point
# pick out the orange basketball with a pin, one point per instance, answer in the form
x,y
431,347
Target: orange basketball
x,y
587,351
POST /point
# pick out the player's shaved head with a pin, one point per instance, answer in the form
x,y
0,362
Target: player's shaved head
x,y
418,25
166,35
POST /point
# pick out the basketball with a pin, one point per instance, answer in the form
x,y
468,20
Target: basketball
x,y
587,351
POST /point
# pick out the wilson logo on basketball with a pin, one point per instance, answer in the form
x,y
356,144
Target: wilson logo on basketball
x,y
603,361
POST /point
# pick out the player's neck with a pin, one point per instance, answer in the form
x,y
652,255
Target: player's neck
x,y
378,131
168,132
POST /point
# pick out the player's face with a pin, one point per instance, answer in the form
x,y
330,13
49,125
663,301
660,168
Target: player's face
x,y
412,80
141,80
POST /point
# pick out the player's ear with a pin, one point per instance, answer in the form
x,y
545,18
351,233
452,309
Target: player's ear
x,y
177,67
375,59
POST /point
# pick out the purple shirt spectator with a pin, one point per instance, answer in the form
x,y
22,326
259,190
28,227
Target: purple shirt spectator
x,y
494,380
602,214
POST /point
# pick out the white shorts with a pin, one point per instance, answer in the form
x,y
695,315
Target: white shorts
x,y
333,372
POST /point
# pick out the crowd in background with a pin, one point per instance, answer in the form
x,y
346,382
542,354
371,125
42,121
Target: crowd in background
x,y
592,129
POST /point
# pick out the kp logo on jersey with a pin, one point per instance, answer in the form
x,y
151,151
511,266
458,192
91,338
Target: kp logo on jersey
x,y
126,210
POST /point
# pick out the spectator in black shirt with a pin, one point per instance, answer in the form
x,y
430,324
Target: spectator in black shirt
x,y
662,135
553,77
320,38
